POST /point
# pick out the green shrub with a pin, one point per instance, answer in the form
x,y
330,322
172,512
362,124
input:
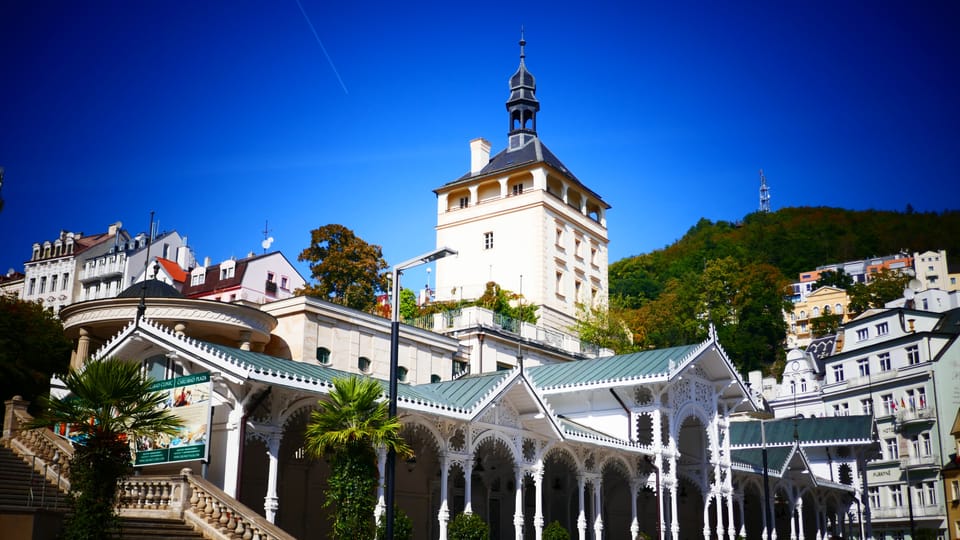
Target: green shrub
x,y
555,531
402,526
468,527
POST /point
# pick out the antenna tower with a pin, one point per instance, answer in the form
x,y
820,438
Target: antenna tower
x,y
764,193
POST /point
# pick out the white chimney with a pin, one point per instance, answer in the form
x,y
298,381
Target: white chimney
x,y
479,154
112,230
206,262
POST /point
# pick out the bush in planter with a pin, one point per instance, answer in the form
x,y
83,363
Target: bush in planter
x,y
555,531
468,527
402,526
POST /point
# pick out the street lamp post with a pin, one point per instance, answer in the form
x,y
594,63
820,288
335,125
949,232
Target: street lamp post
x,y
390,474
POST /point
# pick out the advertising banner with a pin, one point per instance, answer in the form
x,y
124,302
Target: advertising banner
x,y
188,398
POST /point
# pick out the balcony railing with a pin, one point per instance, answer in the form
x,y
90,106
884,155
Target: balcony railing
x,y
903,512
920,462
913,414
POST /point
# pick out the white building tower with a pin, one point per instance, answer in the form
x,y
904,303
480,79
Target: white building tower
x,y
523,220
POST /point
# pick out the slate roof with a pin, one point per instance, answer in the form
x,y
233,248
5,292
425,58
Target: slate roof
x,y
154,289
623,367
812,431
822,347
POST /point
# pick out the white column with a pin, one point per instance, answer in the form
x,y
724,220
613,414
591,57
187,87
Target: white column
x,y
271,502
706,516
381,507
719,511
231,458
503,187
468,485
674,524
518,506
763,513
800,519
582,516
474,199
597,509
743,521
443,516
793,524
634,524
658,463
538,515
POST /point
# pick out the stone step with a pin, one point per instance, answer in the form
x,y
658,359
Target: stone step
x,y
154,529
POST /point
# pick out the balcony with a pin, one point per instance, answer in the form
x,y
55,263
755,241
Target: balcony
x,y
903,512
914,415
929,461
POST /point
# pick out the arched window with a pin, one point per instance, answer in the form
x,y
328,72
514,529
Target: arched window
x,y
816,311
838,309
323,355
363,364
434,378
803,314
803,385
793,387
401,374
826,310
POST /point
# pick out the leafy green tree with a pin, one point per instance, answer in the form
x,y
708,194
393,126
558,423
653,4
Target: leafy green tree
x,y
502,301
402,526
605,327
32,348
347,270
348,428
468,527
825,325
886,285
839,279
408,305
555,531
109,402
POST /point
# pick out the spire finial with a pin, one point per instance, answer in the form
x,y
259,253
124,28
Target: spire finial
x,y
523,42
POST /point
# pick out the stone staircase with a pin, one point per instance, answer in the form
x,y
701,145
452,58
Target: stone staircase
x,y
176,507
23,486
153,529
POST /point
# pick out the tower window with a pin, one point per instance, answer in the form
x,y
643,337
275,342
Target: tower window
x,y
464,202
401,374
488,240
518,189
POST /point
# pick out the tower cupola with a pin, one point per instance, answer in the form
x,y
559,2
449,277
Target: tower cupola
x,y
523,104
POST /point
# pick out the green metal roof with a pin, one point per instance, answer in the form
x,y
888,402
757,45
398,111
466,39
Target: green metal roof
x,y
271,365
752,458
622,367
811,431
461,394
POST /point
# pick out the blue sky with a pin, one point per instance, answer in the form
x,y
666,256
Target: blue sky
x,y
221,116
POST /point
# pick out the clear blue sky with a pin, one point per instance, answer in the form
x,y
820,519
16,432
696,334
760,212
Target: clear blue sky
x,y
221,116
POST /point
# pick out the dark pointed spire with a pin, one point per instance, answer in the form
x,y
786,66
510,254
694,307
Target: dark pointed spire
x,y
522,104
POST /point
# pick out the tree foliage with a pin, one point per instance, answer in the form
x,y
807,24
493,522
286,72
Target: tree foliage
x,y
884,286
605,327
408,305
109,403
32,348
839,279
669,296
348,428
347,270
468,527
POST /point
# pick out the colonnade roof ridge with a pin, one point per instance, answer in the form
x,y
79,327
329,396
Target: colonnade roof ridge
x,y
852,429
635,366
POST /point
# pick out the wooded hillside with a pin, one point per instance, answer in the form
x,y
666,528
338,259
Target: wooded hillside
x,y
735,274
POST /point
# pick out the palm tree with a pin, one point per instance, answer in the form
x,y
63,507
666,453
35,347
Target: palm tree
x,y
349,427
109,400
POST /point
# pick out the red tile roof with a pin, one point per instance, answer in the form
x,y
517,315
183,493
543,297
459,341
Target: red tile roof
x,y
173,270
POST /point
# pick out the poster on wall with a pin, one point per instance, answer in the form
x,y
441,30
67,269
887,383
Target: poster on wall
x,y
188,398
